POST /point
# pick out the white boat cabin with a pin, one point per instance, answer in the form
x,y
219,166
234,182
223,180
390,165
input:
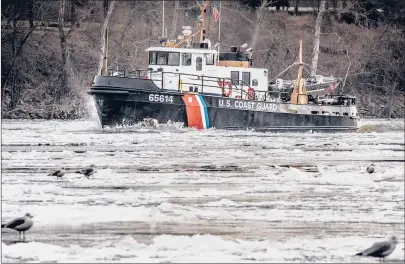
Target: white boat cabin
x,y
200,70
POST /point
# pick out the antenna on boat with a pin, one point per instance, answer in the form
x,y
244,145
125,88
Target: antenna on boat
x,y
203,5
344,81
188,35
300,60
163,18
219,31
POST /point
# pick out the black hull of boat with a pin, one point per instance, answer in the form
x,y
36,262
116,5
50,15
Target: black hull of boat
x,y
129,105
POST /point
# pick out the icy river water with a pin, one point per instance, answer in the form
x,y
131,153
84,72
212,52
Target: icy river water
x,y
172,194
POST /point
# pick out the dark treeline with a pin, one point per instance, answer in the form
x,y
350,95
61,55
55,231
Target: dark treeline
x,y
50,49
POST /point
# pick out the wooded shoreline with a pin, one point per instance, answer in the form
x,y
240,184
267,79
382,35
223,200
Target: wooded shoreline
x,y
48,67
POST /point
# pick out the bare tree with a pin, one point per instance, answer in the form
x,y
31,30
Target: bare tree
x,y
30,12
63,46
64,88
339,10
103,55
259,17
391,99
315,52
297,2
17,38
73,12
30,75
174,22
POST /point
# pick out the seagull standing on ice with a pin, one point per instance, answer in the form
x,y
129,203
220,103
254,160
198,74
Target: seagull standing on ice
x,y
370,169
20,224
58,173
380,249
88,171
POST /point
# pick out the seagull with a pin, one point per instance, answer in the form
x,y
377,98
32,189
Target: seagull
x,y
20,224
58,173
88,171
370,169
380,249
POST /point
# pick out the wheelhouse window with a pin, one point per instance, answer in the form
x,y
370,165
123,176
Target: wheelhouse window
x,y
164,58
235,77
246,78
209,59
186,59
255,82
198,65
174,59
152,57
161,58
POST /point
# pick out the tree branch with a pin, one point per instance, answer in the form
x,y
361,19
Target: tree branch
x,y
76,25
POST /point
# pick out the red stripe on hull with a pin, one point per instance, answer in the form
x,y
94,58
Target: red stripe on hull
x,y
193,110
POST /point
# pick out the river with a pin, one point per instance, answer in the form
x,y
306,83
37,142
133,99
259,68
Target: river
x,y
173,194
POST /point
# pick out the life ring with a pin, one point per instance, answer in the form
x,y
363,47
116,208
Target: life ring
x,y
251,93
225,92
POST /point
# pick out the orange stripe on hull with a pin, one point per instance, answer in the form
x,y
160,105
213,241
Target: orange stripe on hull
x,y
193,110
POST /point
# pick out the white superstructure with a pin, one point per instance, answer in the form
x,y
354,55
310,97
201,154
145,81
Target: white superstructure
x,y
190,69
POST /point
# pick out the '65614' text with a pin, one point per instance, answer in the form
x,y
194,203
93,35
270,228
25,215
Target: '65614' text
x,y
160,98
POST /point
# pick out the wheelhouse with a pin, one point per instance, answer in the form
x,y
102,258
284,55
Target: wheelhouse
x,y
184,69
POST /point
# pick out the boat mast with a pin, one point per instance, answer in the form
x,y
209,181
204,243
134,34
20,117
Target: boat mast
x,y
190,36
202,31
163,19
219,32
299,94
300,60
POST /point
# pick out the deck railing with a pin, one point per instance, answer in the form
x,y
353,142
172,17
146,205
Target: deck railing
x,y
197,83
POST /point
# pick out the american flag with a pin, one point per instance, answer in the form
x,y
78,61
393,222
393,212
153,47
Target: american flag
x,y
215,11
